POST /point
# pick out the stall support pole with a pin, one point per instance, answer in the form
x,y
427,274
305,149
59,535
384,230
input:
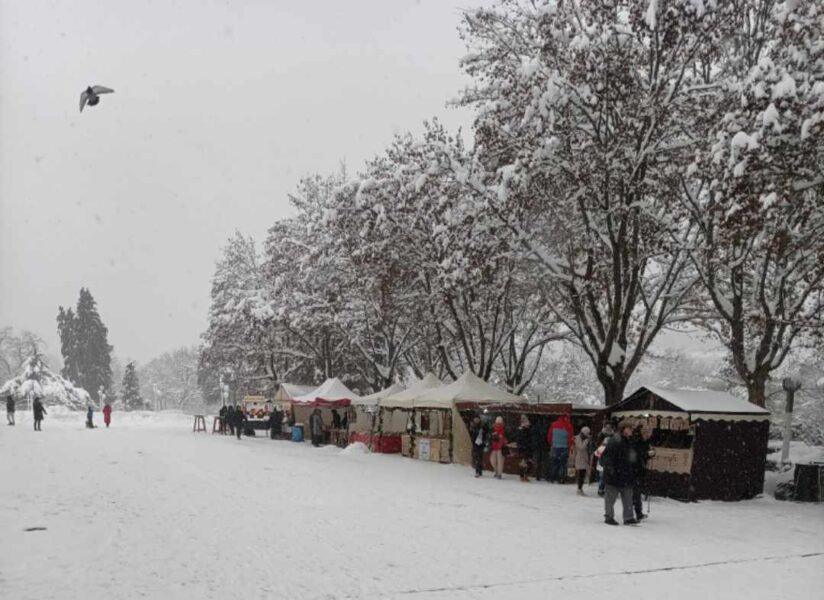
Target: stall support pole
x,y
791,386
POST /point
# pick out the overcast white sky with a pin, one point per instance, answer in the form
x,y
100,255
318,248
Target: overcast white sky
x,y
219,108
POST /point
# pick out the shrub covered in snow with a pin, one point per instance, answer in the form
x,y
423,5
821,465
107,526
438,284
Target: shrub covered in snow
x,y
38,380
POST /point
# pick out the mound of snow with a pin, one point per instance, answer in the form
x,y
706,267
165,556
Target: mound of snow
x,y
355,449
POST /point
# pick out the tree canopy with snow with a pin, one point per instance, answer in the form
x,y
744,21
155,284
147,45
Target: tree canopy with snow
x,y
38,381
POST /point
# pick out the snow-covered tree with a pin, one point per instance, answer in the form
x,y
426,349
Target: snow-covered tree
x,y
582,113
756,190
175,374
130,389
37,380
85,347
15,350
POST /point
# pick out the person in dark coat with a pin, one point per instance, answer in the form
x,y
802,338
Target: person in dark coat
x,y
479,436
222,414
240,420
619,474
10,408
524,440
607,432
90,416
335,419
275,424
643,452
541,448
230,419
316,428
39,411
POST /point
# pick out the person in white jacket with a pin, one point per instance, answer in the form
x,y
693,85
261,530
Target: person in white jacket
x,y
583,457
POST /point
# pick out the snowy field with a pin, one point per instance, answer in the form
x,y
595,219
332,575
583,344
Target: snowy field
x,y
148,509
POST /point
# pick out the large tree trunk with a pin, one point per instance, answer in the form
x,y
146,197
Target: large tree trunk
x,y
756,390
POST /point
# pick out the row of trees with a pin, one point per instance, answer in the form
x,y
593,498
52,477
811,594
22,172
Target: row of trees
x,y
635,167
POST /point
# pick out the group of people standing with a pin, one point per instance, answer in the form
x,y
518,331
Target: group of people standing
x,y
547,452
234,420
620,457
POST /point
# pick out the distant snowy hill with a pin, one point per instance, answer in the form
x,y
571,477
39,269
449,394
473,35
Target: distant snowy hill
x,y
38,380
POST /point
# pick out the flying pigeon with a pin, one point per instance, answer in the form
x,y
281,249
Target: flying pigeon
x,y
91,96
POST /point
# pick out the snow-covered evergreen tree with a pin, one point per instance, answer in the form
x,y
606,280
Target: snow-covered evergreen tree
x,y
37,380
84,345
130,389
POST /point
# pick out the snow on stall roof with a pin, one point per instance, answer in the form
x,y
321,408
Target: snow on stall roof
x,y
373,399
330,390
706,401
467,388
288,391
405,398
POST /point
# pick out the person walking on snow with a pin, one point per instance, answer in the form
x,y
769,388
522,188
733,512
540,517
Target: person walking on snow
x,y
10,408
583,457
499,442
39,411
525,448
619,474
275,424
479,434
560,440
107,414
230,419
240,419
89,416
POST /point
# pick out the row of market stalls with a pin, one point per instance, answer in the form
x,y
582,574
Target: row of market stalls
x,y
708,444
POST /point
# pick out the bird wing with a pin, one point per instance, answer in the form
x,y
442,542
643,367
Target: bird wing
x,y
83,99
99,89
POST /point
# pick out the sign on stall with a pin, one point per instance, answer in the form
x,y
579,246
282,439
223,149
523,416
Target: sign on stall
x,y
671,460
423,448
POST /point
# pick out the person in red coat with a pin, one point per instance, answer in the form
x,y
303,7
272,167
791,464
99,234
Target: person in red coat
x,y
498,443
107,414
560,438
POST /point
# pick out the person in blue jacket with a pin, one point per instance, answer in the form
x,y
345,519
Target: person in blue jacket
x,y
90,416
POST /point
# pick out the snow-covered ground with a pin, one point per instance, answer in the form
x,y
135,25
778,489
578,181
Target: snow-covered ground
x,y
148,509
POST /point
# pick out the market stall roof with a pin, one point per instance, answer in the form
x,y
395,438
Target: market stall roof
x,y
653,399
288,391
373,399
467,388
405,398
331,392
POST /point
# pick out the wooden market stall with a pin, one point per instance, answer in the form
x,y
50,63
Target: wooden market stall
x,y
439,433
708,445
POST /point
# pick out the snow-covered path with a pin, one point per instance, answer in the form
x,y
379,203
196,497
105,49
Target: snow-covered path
x,y
148,509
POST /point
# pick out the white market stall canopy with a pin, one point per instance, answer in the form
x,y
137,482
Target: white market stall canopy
x,y
331,392
288,391
467,388
374,399
405,398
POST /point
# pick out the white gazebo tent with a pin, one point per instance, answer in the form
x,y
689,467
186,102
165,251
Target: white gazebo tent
x,y
363,415
446,438
331,394
395,410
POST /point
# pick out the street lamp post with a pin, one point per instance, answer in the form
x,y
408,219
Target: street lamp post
x,y
791,386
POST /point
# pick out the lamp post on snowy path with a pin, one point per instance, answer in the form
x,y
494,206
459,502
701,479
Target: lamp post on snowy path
x,y
791,386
